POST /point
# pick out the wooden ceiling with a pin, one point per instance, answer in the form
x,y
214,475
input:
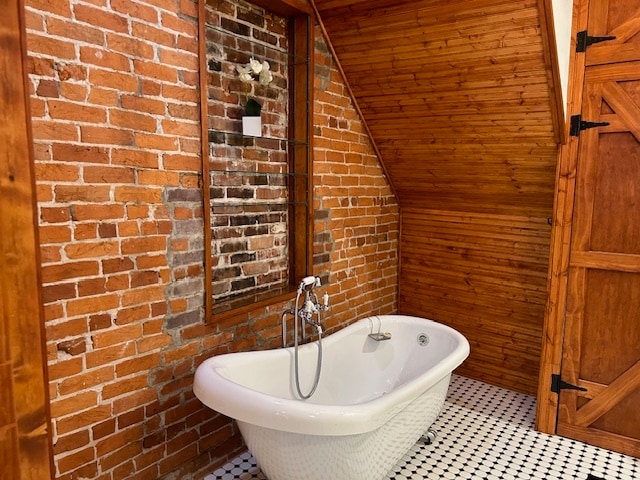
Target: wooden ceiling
x,y
456,96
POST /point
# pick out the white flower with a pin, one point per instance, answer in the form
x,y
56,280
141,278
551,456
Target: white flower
x,y
244,73
255,70
255,66
265,75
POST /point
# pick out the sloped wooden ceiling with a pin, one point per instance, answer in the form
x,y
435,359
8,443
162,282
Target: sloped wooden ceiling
x,y
456,96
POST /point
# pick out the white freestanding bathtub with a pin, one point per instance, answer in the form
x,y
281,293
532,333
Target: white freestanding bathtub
x,y
373,402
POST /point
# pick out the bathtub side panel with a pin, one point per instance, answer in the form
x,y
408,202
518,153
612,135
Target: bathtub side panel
x,y
367,456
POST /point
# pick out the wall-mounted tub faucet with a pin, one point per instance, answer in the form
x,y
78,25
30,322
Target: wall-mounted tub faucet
x,y
305,315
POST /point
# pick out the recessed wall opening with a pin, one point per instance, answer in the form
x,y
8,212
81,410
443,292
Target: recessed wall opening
x,y
258,195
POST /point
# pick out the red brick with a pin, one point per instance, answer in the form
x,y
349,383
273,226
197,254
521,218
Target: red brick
x,y
50,254
72,91
156,142
85,381
83,212
135,158
63,110
182,162
124,82
134,47
181,128
48,88
93,249
154,342
132,314
131,418
102,429
58,291
84,232
54,233
158,177
83,419
74,403
143,295
133,120
103,96
108,175
67,71
65,368
56,273
143,245
177,459
180,25
136,10
71,442
40,66
143,104
100,321
108,355
73,30
114,265
101,18
120,456
88,305
59,8
80,153
81,193
105,58
92,286
156,35
127,193
50,46
105,135
47,130
116,336
127,385
116,283
134,400
180,58
137,364
75,460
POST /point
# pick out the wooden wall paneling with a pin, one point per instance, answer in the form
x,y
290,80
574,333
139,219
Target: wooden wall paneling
x,y
553,70
24,403
485,275
429,74
459,103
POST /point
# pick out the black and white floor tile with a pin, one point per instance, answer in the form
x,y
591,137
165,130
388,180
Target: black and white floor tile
x,y
486,432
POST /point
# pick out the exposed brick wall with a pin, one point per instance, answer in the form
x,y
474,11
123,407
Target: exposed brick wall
x,y
116,140
248,176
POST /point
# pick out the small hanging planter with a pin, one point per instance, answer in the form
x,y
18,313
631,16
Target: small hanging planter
x,y
252,122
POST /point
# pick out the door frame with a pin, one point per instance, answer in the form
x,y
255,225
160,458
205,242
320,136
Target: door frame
x,y
27,450
563,206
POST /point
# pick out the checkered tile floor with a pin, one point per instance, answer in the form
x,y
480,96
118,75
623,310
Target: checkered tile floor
x,y
486,432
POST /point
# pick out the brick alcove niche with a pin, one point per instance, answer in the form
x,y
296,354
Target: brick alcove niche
x,y
258,224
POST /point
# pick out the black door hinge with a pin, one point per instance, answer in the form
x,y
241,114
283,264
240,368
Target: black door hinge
x,y
577,125
583,40
558,384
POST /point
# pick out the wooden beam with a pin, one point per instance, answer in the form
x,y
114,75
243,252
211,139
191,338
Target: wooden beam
x,y
24,404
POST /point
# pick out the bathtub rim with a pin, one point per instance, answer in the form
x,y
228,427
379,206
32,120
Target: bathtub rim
x,y
292,415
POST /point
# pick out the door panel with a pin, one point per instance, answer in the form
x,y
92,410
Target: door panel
x,y
602,324
618,18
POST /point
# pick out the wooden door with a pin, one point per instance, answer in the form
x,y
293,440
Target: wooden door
x,y
25,443
601,352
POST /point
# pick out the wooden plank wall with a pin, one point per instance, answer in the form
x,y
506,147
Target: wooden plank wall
x,y
458,101
485,275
